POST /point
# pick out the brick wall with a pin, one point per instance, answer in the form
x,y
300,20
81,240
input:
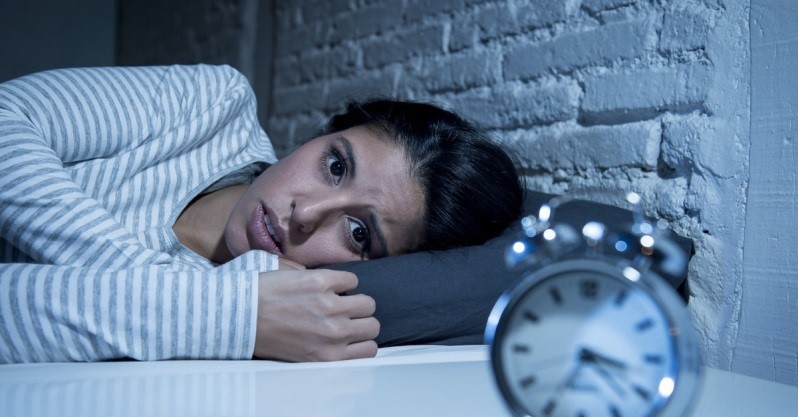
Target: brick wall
x,y
639,94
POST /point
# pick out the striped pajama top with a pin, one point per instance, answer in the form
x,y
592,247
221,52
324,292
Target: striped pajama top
x,y
96,164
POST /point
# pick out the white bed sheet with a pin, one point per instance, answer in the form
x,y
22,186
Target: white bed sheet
x,y
412,381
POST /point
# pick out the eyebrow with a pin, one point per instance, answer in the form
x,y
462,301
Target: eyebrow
x,y
349,154
378,231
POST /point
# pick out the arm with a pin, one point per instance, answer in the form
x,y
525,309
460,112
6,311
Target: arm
x,y
100,293
60,313
117,298
54,121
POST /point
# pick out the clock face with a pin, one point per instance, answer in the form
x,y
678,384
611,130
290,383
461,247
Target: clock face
x,y
583,343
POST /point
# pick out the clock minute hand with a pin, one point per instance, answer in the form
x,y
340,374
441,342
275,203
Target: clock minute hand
x,y
610,379
598,361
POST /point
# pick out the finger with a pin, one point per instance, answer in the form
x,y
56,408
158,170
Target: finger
x,y
357,306
360,330
339,281
365,349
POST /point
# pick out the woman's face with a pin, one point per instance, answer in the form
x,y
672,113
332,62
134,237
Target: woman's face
x,y
341,197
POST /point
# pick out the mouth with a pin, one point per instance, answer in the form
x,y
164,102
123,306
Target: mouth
x,y
262,233
270,228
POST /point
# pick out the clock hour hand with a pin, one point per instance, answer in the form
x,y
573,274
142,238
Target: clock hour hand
x,y
587,355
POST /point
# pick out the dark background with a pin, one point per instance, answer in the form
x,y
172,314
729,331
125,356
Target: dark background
x,y
45,34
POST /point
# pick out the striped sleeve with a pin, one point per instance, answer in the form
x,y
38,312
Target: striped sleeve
x,y
61,314
51,120
93,290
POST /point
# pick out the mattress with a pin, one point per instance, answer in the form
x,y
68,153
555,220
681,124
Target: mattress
x,y
400,381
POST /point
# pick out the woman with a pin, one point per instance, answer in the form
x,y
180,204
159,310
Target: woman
x,y
132,227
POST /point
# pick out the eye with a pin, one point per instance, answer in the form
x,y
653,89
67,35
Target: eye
x,y
335,166
358,237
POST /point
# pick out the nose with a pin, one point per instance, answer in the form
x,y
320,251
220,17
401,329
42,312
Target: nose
x,y
309,212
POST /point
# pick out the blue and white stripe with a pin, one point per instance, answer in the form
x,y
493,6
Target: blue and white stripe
x,y
95,166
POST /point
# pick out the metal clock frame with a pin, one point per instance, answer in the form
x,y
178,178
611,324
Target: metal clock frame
x,y
566,251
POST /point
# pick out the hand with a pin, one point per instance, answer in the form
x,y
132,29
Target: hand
x,y
599,362
611,380
587,355
284,263
303,317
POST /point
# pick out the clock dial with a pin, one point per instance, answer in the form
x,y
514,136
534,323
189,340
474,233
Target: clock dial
x,y
583,343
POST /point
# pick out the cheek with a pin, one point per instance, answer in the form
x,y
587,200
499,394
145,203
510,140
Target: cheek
x,y
323,247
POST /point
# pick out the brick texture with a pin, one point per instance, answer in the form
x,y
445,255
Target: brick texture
x,y
618,97
574,50
632,145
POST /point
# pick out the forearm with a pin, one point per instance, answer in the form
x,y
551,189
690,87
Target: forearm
x,y
54,314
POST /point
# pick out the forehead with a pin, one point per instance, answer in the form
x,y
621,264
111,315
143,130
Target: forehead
x,y
383,182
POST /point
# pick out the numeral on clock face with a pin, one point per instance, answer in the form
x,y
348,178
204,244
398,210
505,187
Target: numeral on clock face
x,y
588,289
520,348
653,359
549,408
645,395
555,295
527,382
620,299
644,325
529,315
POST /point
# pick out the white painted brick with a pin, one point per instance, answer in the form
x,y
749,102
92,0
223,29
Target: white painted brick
x,y
361,86
316,65
297,99
287,16
463,34
706,196
709,145
686,29
593,47
302,38
600,5
505,18
630,145
288,133
518,106
375,18
669,198
418,9
403,45
676,150
313,11
456,72
639,95
286,73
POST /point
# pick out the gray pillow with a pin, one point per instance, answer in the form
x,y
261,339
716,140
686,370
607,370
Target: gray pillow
x,y
445,297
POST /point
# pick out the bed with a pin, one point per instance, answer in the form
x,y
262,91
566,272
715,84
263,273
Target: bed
x,y
400,381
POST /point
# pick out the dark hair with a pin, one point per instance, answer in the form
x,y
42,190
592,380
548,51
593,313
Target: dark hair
x,y
471,187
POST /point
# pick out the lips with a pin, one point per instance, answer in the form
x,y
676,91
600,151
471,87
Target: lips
x,y
261,233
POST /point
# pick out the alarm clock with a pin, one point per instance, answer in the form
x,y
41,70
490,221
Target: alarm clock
x,y
591,330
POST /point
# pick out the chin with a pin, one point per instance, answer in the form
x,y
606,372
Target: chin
x,y
235,249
